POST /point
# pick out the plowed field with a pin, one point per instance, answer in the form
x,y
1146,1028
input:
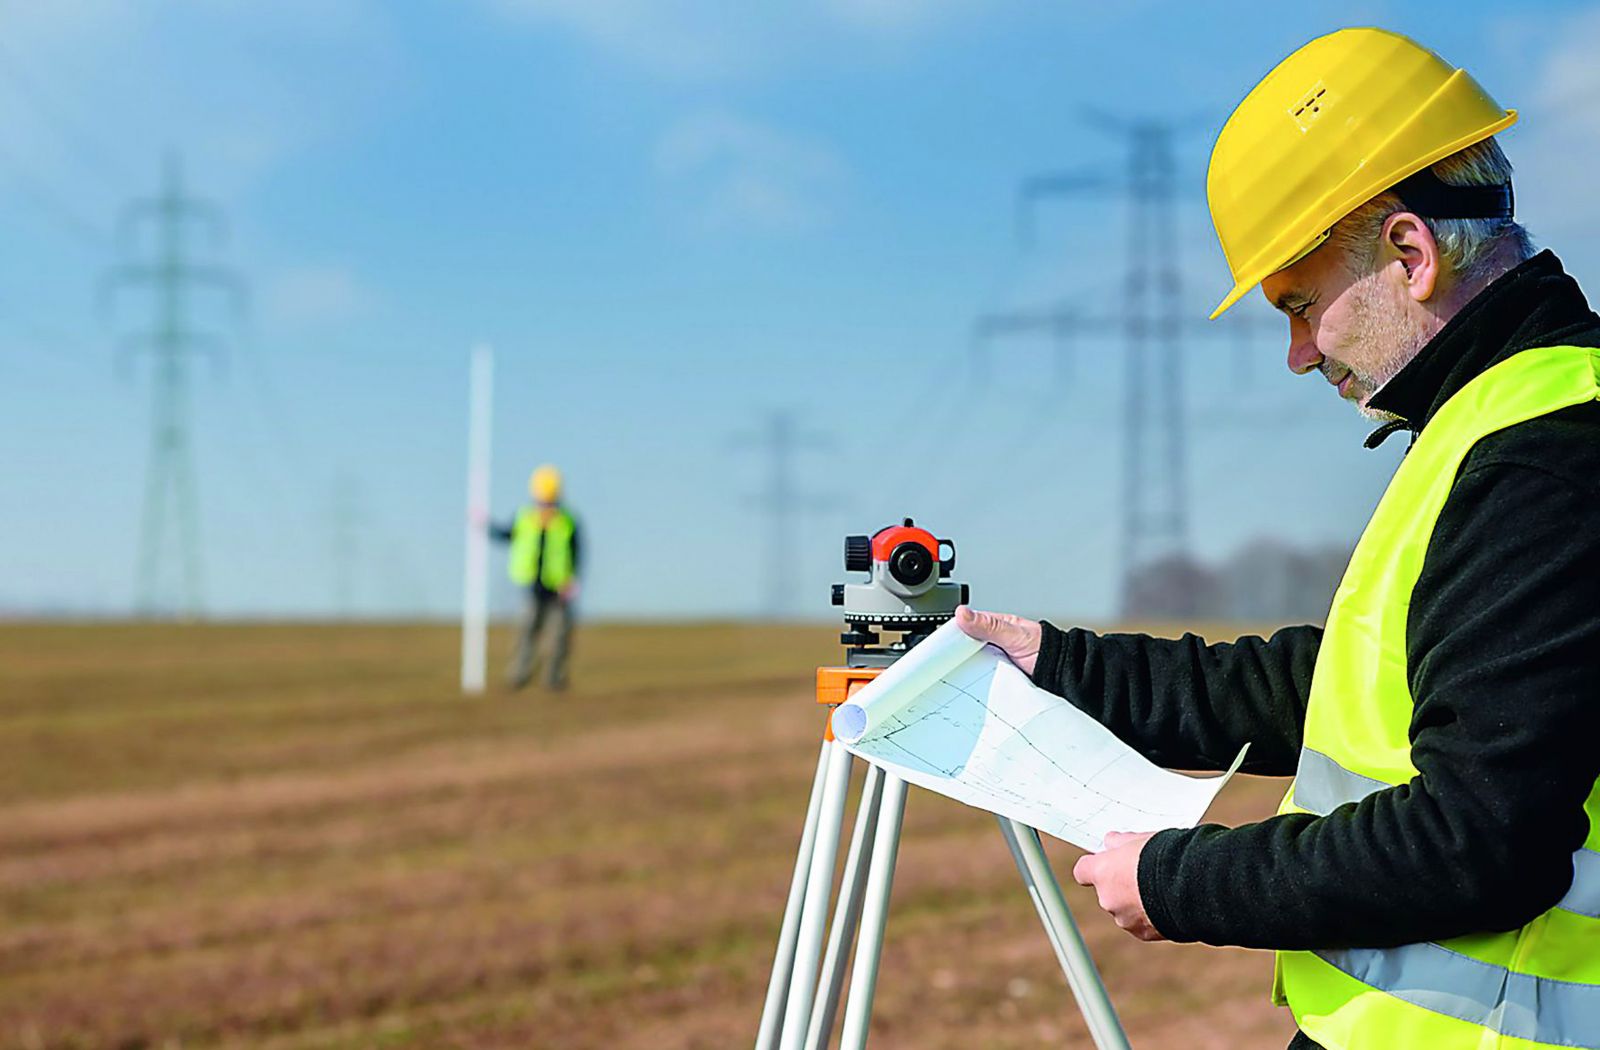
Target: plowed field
x,y
302,836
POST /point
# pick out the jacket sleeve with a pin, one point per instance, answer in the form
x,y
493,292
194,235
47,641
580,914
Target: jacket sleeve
x,y
501,533
1183,703
1503,656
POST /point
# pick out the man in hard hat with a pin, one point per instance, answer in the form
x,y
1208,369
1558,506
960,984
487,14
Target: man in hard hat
x,y
545,561
1432,878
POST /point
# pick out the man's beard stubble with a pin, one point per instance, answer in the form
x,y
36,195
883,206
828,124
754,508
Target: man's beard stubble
x,y
1383,339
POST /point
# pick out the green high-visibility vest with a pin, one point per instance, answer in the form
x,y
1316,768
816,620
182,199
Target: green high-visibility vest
x,y
1538,986
554,567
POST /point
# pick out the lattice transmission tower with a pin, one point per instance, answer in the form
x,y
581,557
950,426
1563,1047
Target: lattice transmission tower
x,y
347,523
162,265
1151,318
783,501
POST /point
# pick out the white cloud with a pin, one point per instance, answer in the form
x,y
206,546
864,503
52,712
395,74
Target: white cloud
x,y
97,89
1558,138
680,38
319,294
716,39
1569,76
740,175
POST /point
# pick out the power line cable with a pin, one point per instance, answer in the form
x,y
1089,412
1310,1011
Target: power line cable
x,y
67,218
46,341
274,422
272,412
85,148
971,476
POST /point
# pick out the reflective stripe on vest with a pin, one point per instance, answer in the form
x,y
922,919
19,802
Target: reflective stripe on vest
x,y
541,550
1538,986
1439,980
1322,785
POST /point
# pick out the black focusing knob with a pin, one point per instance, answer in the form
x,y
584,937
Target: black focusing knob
x,y
858,553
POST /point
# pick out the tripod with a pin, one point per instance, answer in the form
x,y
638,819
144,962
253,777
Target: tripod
x,y
802,1001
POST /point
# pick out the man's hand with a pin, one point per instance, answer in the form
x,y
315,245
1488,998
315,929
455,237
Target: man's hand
x,y
1018,638
1114,874
570,591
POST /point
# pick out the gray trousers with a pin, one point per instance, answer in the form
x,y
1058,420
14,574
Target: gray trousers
x,y
542,615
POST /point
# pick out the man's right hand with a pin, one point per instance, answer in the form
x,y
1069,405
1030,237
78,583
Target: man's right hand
x,y
1018,638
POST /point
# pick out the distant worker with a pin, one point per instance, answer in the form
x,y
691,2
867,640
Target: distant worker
x,y
1432,878
545,560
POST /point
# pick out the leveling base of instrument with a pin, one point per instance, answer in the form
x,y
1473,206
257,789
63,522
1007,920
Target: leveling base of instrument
x,y
808,972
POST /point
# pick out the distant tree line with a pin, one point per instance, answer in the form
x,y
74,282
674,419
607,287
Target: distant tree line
x,y
1265,581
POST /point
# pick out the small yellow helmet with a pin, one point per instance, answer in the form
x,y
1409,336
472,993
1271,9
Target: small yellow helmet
x,y
1335,124
545,484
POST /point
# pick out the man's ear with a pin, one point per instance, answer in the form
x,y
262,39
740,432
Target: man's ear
x,y
1407,240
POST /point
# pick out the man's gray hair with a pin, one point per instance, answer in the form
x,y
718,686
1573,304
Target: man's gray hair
x,y
1475,250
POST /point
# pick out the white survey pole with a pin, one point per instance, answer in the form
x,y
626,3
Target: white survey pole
x,y
475,590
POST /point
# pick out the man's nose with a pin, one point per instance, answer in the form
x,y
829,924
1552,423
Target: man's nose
x,y
1303,353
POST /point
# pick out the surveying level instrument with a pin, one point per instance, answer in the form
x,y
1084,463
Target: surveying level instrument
x,y
908,593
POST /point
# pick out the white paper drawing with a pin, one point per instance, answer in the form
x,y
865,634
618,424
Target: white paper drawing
x,y
959,718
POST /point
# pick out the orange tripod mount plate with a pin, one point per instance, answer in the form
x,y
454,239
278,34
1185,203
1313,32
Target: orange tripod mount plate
x,y
835,685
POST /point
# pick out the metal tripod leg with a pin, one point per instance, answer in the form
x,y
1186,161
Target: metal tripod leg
x,y
1082,975
783,960
874,914
846,912
799,1005
814,907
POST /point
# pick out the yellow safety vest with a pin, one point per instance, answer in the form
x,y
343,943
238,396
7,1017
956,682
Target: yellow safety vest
x,y
554,568
1538,986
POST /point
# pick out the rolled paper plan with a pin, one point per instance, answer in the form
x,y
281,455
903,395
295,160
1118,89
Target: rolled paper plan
x,y
903,681
956,716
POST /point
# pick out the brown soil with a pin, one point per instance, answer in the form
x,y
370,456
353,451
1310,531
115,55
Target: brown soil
x,y
302,836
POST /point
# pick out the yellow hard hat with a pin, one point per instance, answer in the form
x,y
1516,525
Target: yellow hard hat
x,y
1335,124
545,484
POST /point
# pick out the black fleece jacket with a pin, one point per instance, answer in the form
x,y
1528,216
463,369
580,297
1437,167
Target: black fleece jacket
x,y
1503,662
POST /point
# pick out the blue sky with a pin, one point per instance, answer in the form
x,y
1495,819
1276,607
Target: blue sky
x,y
671,218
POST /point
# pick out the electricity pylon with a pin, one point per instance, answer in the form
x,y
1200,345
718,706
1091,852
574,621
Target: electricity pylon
x,y
346,523
167,272
783,501
1155,428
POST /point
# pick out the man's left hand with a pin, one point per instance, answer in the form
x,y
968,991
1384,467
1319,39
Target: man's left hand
x,y
1114,874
